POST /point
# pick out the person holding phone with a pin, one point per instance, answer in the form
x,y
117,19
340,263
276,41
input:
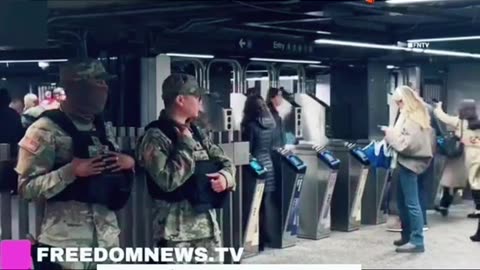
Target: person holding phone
x,y
411,139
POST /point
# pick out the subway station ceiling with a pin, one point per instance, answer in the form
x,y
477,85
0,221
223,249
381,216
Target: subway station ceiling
x,y
144,23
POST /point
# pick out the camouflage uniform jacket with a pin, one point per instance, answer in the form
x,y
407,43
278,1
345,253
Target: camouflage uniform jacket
x,y
64,224
170,166
29,116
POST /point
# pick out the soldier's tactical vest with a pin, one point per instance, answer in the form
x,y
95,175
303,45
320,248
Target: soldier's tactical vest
x,y
111,189
197,189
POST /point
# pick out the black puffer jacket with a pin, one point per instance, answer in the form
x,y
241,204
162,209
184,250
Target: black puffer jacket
x,y
260,135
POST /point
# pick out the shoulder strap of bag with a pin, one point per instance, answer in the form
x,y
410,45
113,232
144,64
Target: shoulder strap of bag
x,y
166,129
396,118
99,124
198,135
461,130
61,119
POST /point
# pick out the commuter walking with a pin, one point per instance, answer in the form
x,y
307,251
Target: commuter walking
x,y
454,178
467,128
257,127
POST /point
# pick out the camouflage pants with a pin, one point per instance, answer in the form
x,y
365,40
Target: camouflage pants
x,y
78,265
209,243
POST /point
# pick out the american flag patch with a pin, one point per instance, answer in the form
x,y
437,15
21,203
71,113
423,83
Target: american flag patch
x,y
29,144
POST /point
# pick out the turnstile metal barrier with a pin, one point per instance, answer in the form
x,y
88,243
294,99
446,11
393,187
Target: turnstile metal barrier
x,y
253,187
349,189
317,191
290,181
373,197
231,216
375,193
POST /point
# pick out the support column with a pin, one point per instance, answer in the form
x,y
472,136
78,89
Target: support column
x,y
413,78
349,102
378,107
154,71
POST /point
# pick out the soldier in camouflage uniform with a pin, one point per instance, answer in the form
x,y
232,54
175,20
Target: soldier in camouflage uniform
x,y
45,144
177,224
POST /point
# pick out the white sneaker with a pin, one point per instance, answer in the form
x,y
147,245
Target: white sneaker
x,y
395,226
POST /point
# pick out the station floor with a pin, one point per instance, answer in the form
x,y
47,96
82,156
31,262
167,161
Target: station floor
x,y
447,245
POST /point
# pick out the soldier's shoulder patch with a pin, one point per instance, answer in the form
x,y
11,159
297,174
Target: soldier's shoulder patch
x,y
30,144
37,137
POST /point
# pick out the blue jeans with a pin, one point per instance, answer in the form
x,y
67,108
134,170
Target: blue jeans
x,y
422,194
409,208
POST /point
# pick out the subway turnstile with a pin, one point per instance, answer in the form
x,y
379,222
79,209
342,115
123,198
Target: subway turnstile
x,y
373,197
230,217
317,191
252,189
348,192
293,171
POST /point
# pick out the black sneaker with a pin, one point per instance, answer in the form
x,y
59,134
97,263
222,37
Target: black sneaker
x,y
474,215
475,238
400,242
442,210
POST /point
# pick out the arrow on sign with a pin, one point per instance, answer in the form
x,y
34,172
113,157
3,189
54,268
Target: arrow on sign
x,y
242,43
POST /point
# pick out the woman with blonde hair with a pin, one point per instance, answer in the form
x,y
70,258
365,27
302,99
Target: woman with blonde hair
x,y
412,139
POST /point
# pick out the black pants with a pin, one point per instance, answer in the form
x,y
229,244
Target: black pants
x,y
270,223
478,228
476,198
447,196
